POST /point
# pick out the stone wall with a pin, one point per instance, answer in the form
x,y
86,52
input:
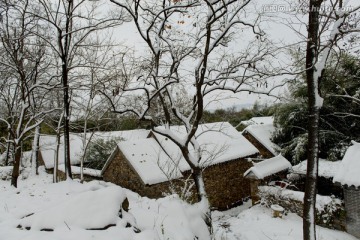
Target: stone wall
x,y
352,206
331,216
62,177
224,183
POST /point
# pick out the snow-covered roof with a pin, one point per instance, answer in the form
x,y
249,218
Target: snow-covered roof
x,y
47,144
86,171
348,172
258,121
159,159
220,142
263,133
268,167
327,168
128,135
148,159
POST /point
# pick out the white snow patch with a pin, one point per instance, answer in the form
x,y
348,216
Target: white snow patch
x,y
165,218
257,223
85,210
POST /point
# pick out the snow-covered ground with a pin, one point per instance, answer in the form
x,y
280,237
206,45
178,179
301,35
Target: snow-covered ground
x,y
40,210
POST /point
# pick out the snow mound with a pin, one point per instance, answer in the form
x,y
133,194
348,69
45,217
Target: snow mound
x,y
257,223
170,218
5,172
87,210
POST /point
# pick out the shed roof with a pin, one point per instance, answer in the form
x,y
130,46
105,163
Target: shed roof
x,y
268,167
263,134
348,172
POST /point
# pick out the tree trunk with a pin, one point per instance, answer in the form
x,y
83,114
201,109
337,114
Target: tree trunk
x,y
8,149
7,156
56,159
16,169
66,121
202,196
35,152
309,213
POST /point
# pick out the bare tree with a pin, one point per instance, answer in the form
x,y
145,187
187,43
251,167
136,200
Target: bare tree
x,y
317,53
187,46
72,22
24,56
98,66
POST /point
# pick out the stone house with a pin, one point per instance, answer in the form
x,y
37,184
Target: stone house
x,y
259,134
154,166
349,178
47,146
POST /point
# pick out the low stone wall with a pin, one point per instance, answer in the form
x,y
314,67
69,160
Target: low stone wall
x,y
330,211
62,177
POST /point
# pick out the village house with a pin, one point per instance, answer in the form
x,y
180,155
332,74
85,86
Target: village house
x,y
348,176
259,132
47,150
154,166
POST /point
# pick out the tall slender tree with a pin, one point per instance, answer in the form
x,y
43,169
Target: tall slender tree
x,y
72,22
317,54
24,57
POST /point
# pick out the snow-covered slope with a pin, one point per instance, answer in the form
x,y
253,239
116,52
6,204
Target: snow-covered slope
x,y
69,208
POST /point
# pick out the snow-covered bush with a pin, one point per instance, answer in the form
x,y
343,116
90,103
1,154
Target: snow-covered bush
x,y
5,172
330,211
